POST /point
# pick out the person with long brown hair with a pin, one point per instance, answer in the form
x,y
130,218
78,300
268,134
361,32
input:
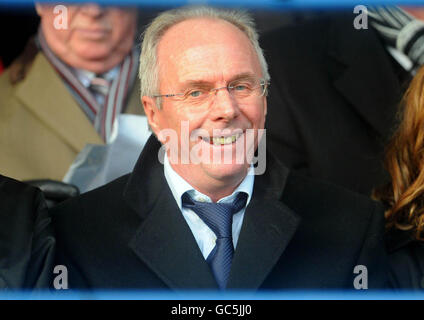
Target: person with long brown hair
x,y
404,194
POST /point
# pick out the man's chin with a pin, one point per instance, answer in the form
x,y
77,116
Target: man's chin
x,y
93,52
98,61
225,172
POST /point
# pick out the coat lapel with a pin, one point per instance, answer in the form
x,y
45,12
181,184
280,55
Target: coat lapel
x,y
164,241
349,66
45,95
267,229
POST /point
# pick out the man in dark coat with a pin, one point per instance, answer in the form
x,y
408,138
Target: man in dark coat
x,y
197,216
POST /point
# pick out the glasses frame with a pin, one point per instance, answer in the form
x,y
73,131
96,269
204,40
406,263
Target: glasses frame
x,y
262,83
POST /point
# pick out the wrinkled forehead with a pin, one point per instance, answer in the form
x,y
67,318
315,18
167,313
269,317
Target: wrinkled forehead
x,y
208,29
203,44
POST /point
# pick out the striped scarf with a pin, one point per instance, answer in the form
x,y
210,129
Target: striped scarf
x,y
401,31
101,116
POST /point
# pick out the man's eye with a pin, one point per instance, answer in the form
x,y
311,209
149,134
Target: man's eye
x,y
241,87
195,93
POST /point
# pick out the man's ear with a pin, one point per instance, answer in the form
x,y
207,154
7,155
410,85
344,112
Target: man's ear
x,y
152,113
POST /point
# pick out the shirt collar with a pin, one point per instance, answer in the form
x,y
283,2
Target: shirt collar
x,y
179,186
86,76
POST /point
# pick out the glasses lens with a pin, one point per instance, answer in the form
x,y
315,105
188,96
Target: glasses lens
x,y
248,88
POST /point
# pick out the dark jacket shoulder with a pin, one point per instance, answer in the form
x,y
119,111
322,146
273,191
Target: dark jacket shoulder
x,y
92,208
406,257
26,237
306,193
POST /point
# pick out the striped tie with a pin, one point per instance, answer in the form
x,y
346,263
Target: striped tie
x,y
218,217
100,89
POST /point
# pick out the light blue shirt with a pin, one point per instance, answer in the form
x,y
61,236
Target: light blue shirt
x,y
204,236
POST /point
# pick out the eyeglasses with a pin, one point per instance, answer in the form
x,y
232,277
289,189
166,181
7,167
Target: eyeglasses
x,y
239,90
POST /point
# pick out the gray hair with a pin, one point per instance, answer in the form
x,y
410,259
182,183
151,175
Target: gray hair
x,y
149,71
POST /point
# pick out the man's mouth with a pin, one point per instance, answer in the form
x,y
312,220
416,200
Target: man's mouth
x,y
223,140
93,33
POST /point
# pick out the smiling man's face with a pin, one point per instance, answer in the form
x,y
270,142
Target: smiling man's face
x,y
203,54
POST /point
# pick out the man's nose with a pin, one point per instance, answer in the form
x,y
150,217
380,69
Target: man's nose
x,y
92,9
225,106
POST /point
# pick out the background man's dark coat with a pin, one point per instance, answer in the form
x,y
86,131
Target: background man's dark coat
x,y
333,99
26,237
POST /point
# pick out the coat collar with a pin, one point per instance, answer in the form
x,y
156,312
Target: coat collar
x,y
164,242
58,111
363,72
396,239
267,229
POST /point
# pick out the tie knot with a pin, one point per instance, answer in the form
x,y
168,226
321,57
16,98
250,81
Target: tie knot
x,y
217,216
99,85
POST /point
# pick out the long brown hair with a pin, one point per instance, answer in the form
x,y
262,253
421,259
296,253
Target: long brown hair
x,y
404,160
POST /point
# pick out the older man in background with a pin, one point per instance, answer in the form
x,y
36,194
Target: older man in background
x,y
67,88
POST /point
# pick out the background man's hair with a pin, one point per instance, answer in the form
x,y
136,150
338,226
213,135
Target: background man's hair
x,y
149,68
